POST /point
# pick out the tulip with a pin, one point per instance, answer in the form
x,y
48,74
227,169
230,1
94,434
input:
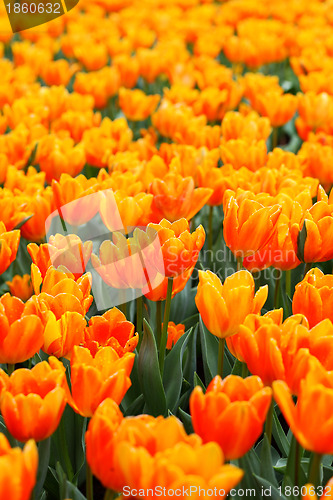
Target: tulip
x,y
239,153
21,286
313,297
33,401
95,378
310,492
174,333
18,470
311,420
9,242
231,407
67,251
118,447
111,329
248,225
136,105
216,302
176,197
21,332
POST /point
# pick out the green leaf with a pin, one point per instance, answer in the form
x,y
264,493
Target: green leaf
x,y
173,371
67,489
190,356
187,421
266,463
271,491
301,239
289,474
23,221
250,463
149,374
44,448
279,436
136,407
237,368
209,350
199,382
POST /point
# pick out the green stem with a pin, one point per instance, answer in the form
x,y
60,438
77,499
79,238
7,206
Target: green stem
x,y
123,308
165,325
297,462
277,291
89,484
64,450
307,268
275,137
158,322
220,358
210,229
288,283
245,371
314,473
139,317
239,263
269,422
10,368
109,495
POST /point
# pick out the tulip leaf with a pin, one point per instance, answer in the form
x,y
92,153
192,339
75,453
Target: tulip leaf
x,y
301,239
183,304
280,436
237,368
136,407
289,474
173,371
250,463
209,350
44,448
266,463
23,221
149,374
190,356
271,491
67,489
199,382
187,421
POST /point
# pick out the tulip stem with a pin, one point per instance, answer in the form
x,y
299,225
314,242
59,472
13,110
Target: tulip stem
x,y
275,137
89,484
165,325
297,462
269,422
239,263
245,371
307,268
109,495
64,450
220,357
139,317
288,283
10,368
158,321
277,291
210,229
314,473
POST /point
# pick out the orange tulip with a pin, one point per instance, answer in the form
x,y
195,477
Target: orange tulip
x,y
231,407
61,335
33,401
75,199
67,251
111,329
216,302
275,351
21,286
21,332
239,153
174,333
18,470
249,127
327,492
180,248
95,378
311,420
9,242
60,293
279,108
248,224
117,448
313,236
313,296
136,105
176,197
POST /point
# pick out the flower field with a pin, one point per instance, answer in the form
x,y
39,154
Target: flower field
x,y
166,251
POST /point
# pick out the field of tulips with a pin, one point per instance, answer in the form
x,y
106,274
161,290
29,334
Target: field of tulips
x,y
166,251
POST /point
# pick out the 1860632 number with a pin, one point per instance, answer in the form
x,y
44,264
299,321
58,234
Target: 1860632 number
x,y
33,7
